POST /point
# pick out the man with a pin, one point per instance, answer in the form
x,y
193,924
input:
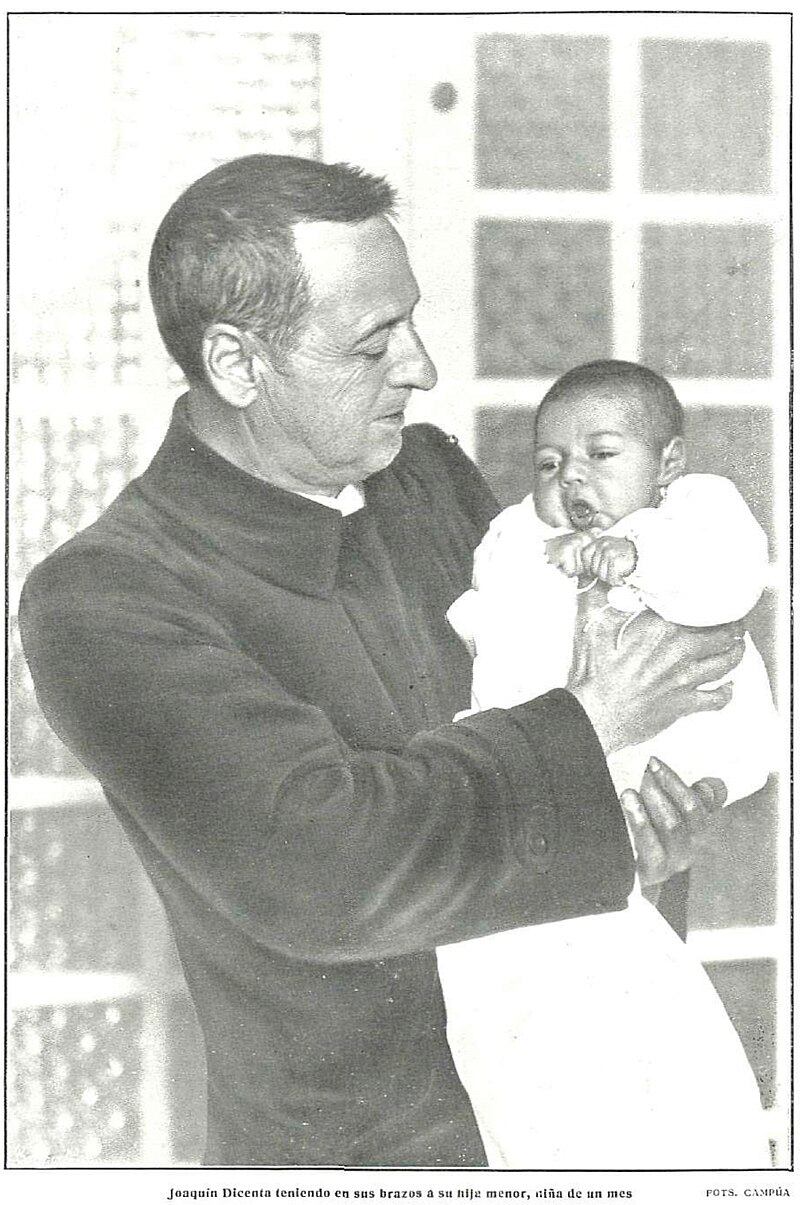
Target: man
x,y
249,649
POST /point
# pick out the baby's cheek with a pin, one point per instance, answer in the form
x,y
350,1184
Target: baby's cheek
x,y
547,502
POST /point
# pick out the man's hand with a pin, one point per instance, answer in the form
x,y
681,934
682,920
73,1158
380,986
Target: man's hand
x,y
610,559
566,552
632,692
669,822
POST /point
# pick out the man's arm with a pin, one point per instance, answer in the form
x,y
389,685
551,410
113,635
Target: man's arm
x,y
636,690
315,848
669,821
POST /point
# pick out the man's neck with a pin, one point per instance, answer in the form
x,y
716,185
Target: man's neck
x,y
225,429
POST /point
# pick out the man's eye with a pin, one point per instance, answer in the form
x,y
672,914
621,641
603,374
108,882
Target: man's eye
x,y
603,454
375,346
547,466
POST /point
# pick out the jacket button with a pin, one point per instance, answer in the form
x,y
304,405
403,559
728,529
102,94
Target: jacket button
x,y
539,845
452,439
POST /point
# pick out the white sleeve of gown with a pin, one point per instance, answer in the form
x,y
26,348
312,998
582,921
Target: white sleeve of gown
x,y
701,557
519,616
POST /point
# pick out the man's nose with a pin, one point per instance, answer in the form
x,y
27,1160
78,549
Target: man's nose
x,y
412,367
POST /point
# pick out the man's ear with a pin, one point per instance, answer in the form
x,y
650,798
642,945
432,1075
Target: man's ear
x,y
230,365
673,460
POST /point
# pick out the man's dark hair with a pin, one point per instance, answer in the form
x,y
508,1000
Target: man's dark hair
x,y
664,410
225,251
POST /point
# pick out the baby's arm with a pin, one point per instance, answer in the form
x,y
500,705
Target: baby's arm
x,y
518,617
464,615
567,551
700,558
611,559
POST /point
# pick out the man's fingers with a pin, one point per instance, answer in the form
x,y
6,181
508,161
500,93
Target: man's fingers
x,y
725,642
704,654
712,700
695,807
706,667
669,821
651,859
712,793
656,799
673,825
719,636
681,797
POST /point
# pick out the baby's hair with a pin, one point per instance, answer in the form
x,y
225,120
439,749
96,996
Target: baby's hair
x,y
664,410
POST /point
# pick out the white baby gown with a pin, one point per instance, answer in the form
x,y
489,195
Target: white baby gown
x,y
600,1042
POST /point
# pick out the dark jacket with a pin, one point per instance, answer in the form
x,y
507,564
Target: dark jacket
x,y
264,690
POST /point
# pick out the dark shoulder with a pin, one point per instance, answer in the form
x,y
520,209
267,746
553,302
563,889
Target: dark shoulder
x,y
430,455
114,557
425,439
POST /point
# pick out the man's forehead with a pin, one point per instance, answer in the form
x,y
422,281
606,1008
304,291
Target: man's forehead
x,y
357,265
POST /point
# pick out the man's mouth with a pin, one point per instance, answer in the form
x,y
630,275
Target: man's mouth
x,y
580,513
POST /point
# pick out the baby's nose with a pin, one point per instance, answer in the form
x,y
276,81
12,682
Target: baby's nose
x,y
572,470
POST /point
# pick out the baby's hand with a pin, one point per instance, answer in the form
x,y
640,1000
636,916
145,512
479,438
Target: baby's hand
x,y
565,552
609,558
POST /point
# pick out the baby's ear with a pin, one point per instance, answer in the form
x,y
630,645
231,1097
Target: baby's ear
x,y
673,460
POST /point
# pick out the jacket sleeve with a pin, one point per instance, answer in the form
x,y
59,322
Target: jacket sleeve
x,y
701,557
316,849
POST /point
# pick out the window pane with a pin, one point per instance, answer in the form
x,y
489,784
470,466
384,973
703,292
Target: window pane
x,y
73,1085
736,441
504,450
705,116
74,886
139,101
542,115
65,470
706,303
543,296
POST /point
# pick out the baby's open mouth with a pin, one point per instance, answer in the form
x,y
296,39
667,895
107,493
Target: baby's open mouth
x,y
581,514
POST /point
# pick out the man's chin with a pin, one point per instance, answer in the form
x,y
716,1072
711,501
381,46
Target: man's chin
x,y
386,443
390,422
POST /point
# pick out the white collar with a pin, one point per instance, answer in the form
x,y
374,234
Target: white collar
x,y
347,501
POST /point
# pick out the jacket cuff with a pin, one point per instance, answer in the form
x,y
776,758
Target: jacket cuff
x,y
576,832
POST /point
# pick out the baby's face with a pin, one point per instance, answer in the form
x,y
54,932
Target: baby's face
x,y
595,459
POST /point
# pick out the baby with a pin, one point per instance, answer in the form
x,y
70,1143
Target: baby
x,y
614,514
598,1042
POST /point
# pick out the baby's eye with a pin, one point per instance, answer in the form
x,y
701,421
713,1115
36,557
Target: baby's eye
x,y
603,453
547,466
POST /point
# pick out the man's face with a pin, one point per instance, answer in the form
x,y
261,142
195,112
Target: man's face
x,y
334,415
595,459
